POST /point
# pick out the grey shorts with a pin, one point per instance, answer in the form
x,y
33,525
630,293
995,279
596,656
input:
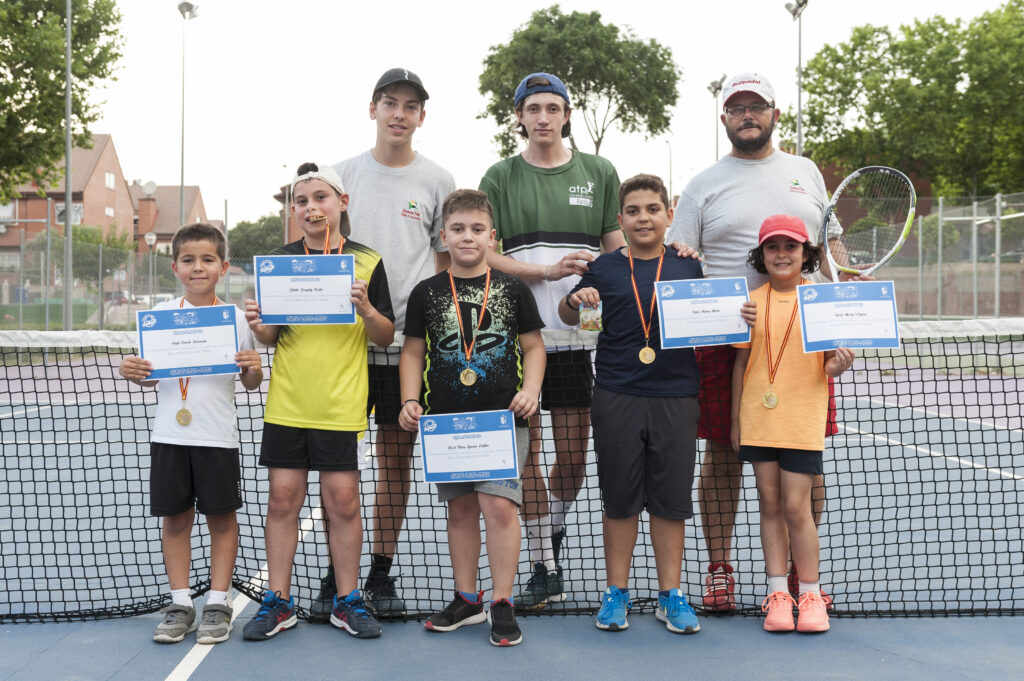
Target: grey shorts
x,y
509,489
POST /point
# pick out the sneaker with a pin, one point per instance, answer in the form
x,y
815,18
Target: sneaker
x,y
813,615
794,589
718,588
215,624
543,587
382,597
350,614
504,628
676,613
457,613
274,616
320,611
614,605
779,608
178,620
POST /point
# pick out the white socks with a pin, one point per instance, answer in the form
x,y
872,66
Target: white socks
x,y
181,597
538,542
559,509
778,584
217,597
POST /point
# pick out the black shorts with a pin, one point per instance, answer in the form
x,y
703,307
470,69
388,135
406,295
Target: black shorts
x,y
646,448
384,399
309,449
568,380
182,477
807,461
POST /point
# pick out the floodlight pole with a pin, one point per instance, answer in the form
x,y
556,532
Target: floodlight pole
x,y
715,87
68,281
188,11
797,9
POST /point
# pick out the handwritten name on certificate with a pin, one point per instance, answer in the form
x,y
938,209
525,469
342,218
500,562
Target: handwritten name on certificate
x,y
469,447
191,341
849,314
699,312
305,289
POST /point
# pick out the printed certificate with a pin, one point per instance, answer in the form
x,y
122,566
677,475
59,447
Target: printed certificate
x,y
849,314
468,447
305,289
192,341
699,312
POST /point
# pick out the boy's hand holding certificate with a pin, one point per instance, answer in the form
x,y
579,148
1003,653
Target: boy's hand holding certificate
x,y
305,289
699,312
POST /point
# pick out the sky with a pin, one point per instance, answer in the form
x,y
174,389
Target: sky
x,y
270,85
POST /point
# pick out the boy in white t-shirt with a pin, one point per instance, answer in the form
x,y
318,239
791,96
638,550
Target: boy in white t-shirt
x,y
194,448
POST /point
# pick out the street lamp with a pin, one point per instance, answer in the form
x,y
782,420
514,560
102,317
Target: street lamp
x,y
150,242
797,9
715,87
669,143
188,11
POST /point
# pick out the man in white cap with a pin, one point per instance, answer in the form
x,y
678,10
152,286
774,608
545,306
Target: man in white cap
x,y
719,214
555,210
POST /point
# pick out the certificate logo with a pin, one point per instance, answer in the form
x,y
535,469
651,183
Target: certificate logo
x,y
885,291
266,266
700,288
225,315
186,318
810,294
667,291
148,321
504,420
736,286
303,266
343,265
846,292
464,423
429,426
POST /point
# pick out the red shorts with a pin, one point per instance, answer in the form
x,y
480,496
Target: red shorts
x,y
715,363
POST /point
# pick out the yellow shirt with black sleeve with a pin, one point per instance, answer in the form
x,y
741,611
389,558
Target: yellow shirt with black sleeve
x,y
318,378
798,421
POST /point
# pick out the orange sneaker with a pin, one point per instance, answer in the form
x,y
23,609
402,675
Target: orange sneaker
x,y
794,589
718,588
779,608
813,614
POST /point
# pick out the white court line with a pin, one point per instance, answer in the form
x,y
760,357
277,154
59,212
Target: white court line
x,y
933,453
930,412
188,665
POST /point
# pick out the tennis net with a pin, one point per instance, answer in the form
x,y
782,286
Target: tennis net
x,y
924,487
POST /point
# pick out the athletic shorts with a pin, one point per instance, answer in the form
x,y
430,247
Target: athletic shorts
x,y
646,448
568,380
509,489
309,449
807,461
715,363
183,476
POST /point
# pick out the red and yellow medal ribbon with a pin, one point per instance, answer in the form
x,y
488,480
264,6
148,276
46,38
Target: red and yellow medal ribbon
x,y
327,241
645,323
458,315
183,384
774,369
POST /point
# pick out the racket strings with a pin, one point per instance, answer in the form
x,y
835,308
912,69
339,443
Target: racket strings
x,y
871,217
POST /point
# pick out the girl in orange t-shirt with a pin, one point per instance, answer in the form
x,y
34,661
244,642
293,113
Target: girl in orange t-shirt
x,y
779,407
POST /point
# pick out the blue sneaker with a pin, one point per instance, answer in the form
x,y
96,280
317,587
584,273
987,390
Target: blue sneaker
x,y
274,616
614,604
676,613
350,614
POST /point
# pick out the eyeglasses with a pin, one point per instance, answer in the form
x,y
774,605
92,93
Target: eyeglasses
x,y
755,109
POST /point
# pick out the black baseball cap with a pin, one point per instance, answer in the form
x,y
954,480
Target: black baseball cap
x,y
394,76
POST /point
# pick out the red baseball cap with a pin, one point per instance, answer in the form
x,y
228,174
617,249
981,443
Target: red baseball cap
x,y
784,225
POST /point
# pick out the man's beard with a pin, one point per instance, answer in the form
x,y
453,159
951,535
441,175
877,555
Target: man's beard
x,y
751,145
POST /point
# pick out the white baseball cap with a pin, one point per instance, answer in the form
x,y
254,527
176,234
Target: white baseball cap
x,y
748,82
323,172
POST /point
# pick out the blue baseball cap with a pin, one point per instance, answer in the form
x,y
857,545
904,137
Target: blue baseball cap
x,y
555,85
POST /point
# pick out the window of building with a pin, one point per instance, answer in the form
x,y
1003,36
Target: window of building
x,y
9,261
110,180
109,211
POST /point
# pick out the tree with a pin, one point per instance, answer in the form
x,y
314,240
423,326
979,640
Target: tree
x,y
936,98
86,254
613,78
255,238
32,81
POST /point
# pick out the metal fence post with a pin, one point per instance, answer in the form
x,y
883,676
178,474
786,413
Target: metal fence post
x,y
101,286
920,269
974,257
999,250
938,276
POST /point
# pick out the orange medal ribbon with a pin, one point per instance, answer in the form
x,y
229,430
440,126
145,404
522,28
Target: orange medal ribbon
x,y
468,376
327,241
646,354
770,399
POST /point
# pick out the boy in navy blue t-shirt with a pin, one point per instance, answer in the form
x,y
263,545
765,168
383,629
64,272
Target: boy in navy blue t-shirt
x,y
645,405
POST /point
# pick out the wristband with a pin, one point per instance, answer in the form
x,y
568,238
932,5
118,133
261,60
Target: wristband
x,y
568,303
408,401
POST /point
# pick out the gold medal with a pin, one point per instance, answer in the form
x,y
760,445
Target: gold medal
x,y
646,355
184,417
770,400
468,377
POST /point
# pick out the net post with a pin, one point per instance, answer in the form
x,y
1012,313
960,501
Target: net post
x,y
974,257
999,249
938,264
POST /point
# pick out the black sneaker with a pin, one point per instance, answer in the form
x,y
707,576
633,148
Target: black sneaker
x,y
320,611
457,613
504,628
543,587
381,596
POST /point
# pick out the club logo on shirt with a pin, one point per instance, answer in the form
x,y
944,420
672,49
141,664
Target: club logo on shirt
x,y
580,195
412,210
794,187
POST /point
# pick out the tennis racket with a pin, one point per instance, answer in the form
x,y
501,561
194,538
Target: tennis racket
x,y
868,220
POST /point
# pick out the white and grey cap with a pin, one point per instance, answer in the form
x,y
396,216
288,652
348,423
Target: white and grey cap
x,y
323,172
